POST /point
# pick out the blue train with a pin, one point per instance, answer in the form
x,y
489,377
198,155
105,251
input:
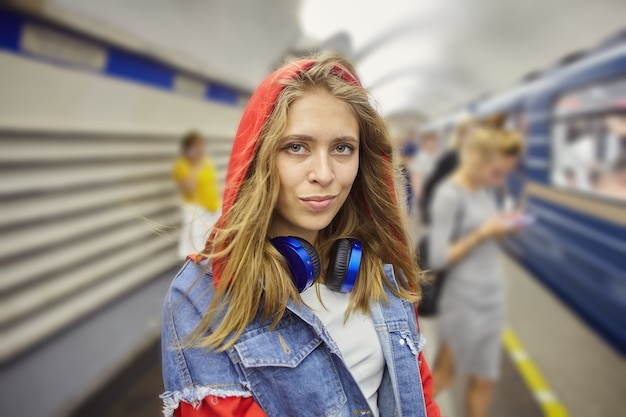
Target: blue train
x,y
573,179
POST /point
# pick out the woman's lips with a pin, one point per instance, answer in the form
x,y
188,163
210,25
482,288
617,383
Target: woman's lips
x,y
318,203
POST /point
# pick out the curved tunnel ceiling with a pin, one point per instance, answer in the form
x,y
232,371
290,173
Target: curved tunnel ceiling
x,y
424,56
432,56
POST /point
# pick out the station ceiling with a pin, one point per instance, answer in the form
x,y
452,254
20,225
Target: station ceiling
x,y
422,56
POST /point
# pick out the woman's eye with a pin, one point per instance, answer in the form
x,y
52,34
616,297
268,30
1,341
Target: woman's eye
x,y
344,149
295,148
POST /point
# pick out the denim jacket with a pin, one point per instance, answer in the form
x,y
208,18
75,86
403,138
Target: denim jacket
x,y
293,369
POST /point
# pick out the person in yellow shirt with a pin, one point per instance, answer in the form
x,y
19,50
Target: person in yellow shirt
x,y
197,180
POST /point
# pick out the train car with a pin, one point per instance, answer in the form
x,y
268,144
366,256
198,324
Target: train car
x,y
573,180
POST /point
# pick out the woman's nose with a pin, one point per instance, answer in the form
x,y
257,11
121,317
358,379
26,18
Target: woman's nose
x,y
322,170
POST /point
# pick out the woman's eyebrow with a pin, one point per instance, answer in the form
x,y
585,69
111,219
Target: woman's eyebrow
x,y
304,138
347,139
307,138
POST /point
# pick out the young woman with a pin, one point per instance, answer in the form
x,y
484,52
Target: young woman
x,y
309,191
465,225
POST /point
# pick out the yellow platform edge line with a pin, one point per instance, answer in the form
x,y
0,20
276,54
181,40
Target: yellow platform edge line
x,y
536,383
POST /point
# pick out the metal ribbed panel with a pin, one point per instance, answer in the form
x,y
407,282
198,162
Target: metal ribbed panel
x,y
85,218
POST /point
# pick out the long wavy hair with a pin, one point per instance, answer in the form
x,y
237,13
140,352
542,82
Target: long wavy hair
x,y
254,276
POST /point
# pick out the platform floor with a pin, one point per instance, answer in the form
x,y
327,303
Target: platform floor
x,y
585,375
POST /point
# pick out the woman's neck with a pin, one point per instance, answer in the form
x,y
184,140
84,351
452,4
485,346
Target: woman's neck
x,y
464,177
278,228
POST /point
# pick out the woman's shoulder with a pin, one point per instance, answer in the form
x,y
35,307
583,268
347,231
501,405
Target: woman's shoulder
x,y
193,272
448,190
192,287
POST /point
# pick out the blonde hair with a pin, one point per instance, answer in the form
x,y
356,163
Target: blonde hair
x,y
510,143
255,277
481,138
460,132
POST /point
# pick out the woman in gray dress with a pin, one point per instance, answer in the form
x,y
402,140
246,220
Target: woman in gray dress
x,y
465,226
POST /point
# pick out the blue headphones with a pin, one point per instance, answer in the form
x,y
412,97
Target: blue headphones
x,y
304,262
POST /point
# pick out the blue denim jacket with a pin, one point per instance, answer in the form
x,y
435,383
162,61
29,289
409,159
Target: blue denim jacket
x,y
294,369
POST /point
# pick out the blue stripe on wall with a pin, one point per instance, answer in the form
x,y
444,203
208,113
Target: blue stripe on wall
x,y
220,93
120,63
10,29
137,68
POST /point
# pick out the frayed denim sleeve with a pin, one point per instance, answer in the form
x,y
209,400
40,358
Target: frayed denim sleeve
x,y
192,373
194,395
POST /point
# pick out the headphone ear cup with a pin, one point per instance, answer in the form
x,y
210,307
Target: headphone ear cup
x,y
315,259
338,264
302,260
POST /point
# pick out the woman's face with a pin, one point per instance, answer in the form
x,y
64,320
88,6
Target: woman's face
x,y
481,166
317,161
502,167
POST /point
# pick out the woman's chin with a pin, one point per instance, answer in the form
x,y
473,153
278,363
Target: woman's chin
x,y
321,224
303,225
313,226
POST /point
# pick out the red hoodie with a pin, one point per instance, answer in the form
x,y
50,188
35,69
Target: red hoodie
x,y
246,141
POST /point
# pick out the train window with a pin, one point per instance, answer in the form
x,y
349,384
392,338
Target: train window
x,y
589,140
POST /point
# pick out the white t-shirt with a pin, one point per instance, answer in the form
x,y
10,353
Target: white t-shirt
x,y
357,339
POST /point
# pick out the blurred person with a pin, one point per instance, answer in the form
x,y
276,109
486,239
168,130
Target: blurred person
x,y
197,180
443,167
510,147
424,163
465,226
408,150
248,328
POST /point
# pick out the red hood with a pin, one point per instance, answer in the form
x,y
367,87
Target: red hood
x,y
254,117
